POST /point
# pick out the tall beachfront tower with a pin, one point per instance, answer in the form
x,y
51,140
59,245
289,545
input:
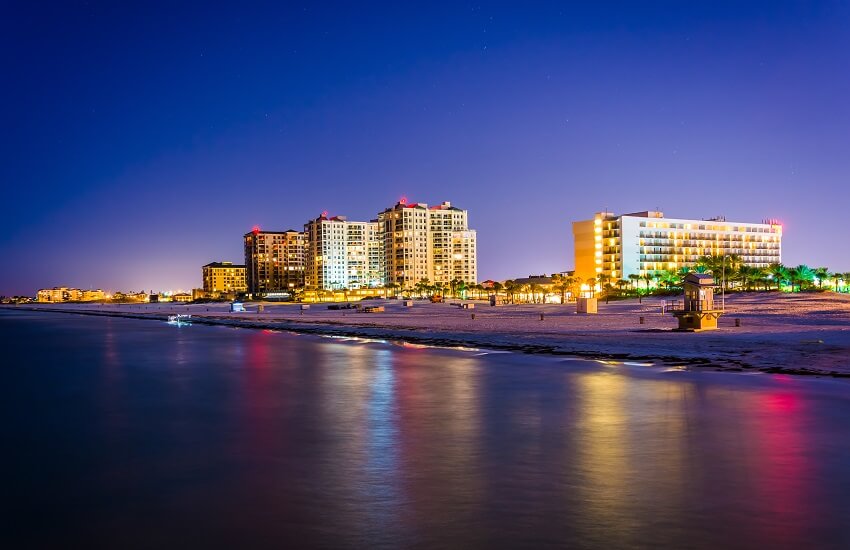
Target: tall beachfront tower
x,y
274,261
427,243
452,246
644,243
343,254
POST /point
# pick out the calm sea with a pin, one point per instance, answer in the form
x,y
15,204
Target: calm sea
x,y
121,433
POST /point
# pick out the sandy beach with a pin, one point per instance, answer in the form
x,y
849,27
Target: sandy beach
x,y
805,333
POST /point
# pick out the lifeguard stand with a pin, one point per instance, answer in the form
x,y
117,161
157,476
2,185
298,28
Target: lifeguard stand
x,y
696,312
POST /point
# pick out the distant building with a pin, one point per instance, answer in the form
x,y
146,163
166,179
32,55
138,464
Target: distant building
x,y
223,277
427,243
644,243
65,294
57,294
343,254
181,297
274,261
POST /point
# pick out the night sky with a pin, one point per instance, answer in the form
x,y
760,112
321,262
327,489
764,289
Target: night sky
x,y
142,142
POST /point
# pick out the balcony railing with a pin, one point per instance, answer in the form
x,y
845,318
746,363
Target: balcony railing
x,y
690,305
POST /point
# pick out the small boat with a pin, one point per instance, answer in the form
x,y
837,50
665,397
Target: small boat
x,y
179,319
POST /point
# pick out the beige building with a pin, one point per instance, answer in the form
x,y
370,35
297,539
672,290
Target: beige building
x,y
427,243
343,254
223,277
92,295
644,243
274,261
452,246
65,294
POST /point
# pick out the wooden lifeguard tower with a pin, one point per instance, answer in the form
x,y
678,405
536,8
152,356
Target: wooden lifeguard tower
x,y
696,312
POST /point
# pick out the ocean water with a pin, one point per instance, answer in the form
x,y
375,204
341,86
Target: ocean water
x,y
121,433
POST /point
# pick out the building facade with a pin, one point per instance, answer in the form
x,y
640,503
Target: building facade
x,y
644,243
427,243
224,277
65,294
343,254
274,261
452,246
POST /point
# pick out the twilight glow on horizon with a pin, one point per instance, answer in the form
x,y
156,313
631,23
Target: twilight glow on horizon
x,y
142,142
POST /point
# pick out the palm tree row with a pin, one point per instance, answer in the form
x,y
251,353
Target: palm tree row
x,y
729,271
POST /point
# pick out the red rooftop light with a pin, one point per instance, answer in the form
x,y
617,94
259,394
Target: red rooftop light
x,y
256,229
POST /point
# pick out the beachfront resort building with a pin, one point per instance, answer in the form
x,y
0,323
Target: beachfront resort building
x,y
343,254
224,278
644,243
422,242
274,261
64,294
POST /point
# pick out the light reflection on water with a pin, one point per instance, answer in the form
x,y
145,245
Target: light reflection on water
x,y
137,434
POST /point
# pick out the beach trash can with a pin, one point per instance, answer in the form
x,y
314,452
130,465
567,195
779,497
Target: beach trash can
x,y
260,308
408,303
305,307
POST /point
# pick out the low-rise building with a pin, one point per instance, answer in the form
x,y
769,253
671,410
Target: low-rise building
x,y
65,294
223,278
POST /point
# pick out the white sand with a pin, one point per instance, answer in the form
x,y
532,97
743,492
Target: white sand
x,y
792,332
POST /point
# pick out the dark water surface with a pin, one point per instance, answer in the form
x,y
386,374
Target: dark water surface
x,y
125,433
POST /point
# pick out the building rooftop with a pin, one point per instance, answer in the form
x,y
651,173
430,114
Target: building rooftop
x,y
223,264
257,231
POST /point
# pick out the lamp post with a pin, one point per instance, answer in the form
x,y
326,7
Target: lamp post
x,y
723,286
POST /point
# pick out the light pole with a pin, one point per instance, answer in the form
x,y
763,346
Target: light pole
x,y
723,286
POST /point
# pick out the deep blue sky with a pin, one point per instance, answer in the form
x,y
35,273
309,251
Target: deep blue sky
x,y
141,142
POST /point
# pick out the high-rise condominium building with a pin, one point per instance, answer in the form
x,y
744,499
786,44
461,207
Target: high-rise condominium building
x,y
427,243
224,277
343,254
274,260
646,242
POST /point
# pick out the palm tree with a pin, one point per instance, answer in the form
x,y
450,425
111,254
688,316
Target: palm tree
x,y
497,287
635,280
604,280
392,287
534,289
821,273
591,283
802,275
648,277
511,288
779,273
562,285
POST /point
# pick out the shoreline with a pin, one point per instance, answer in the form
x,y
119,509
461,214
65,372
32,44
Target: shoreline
x,y
570,344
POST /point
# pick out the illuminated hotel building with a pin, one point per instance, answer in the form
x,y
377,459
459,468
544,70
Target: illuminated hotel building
x,y
274,261
65,294
343,254
646,242
427,243
224,277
